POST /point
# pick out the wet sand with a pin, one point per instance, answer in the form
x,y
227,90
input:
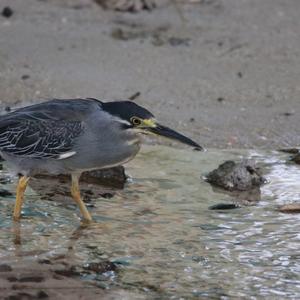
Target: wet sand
x,y
227,73
164,236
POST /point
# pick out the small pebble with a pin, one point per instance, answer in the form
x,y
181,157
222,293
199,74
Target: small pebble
x,y
290,150
25,77
221,206
107,195
175,41
5,268
287,114
5,193
44,261
296,159
42,295
68,272
31,279
7,12
4,180
134,96
292,208
101,267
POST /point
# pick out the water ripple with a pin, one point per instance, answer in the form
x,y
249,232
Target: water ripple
x,y
162,235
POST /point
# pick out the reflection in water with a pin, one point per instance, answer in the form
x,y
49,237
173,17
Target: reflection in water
x,y
16,227
163,237
247,198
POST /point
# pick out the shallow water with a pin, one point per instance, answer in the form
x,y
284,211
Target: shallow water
x,y
161,233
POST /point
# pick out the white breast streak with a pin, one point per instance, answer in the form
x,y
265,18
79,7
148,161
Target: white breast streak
x,y
66,155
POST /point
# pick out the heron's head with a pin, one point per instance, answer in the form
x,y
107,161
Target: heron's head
x,y
140,119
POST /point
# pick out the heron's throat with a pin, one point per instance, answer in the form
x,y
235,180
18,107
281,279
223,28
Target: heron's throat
x,y
133,136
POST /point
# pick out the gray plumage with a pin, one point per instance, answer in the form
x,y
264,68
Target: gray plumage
x,y
72,136
65,136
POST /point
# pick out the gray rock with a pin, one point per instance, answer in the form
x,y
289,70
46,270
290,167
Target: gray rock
x,y
290,150
296,158
5,268
113,177
223,206
236,176
291,208
5,193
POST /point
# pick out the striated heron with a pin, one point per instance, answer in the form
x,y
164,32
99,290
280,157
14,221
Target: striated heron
x,y
72,136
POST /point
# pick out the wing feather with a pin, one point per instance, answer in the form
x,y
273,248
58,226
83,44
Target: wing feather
x,y
37,138
46,130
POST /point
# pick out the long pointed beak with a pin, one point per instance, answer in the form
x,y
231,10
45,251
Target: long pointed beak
x,y
172,134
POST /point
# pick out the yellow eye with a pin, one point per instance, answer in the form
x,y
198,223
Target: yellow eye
x,y
135,121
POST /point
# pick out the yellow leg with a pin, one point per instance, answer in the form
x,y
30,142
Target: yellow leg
x,y
77,198
22,184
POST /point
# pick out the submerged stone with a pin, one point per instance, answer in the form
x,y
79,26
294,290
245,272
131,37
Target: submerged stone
x,y
5,193
236,176
111,177
221,206
68,272
42,295
115,177
94,184
290,208
5,268
296,158
101,267
290,150
31,278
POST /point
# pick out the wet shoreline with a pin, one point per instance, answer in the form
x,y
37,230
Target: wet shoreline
x,y
227,76
158,237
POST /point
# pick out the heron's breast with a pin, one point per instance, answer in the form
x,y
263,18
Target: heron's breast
x,y
105,150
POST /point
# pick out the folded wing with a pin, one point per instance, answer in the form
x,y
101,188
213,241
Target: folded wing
x,y
40,133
